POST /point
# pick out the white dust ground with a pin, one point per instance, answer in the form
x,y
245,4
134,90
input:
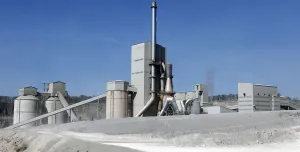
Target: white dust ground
x,y
261,131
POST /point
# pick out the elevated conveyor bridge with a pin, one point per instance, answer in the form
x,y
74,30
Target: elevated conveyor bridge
x,y
284,105
68,108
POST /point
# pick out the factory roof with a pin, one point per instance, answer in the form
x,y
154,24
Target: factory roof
x,y
145,42
29,87
59,82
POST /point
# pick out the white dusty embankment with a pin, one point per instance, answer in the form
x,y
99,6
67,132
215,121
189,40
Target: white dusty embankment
x,y
261,131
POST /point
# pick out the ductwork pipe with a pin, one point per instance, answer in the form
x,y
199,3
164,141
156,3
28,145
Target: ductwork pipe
x,y
162,78
153,68
162,86
175,107
148,104
169,84
182,106
187,103
165,106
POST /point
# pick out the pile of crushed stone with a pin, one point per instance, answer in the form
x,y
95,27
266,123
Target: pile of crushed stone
x,y
224,130
283,127
23,141
28,141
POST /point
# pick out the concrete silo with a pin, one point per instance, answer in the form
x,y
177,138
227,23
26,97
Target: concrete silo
x,y
117,99
53,103
26,106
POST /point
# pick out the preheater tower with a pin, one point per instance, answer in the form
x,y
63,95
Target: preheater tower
x,y
146,72
141,72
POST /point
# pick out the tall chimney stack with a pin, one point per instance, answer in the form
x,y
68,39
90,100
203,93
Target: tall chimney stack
x,y
153,97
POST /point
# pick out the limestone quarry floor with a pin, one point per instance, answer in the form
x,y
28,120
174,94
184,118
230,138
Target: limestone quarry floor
x,y
242,132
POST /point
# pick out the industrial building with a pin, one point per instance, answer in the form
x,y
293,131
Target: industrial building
x,y
150,93
258,97
141,59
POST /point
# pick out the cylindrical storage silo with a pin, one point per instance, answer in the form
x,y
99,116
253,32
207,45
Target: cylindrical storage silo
x,y
195,108
25,107
52,104
116,104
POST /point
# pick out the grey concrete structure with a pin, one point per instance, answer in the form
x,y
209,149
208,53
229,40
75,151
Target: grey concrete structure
x,y
217,110
28,91
204,93
117,99
56,112
185,95
141,73
203,97
71,114
57,86
195,107
26,106
255,97
52,104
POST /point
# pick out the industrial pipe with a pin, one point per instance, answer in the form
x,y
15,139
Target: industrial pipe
x,y
169,84
153,68
182,106
162,78
175,107
162,87
165,106
65,103
187,103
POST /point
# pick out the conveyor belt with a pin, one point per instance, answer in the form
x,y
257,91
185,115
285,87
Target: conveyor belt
x,y
290,104
64,102
56,112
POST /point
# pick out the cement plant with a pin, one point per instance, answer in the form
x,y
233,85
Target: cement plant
x,y
147,115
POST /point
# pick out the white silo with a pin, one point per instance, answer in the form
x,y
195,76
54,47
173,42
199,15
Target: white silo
x,y
52,104
25,106
116,99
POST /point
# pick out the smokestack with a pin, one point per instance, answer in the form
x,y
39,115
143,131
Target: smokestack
x,y
169,83
153,68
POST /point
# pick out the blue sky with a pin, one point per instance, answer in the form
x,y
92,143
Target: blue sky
x,y
86,43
